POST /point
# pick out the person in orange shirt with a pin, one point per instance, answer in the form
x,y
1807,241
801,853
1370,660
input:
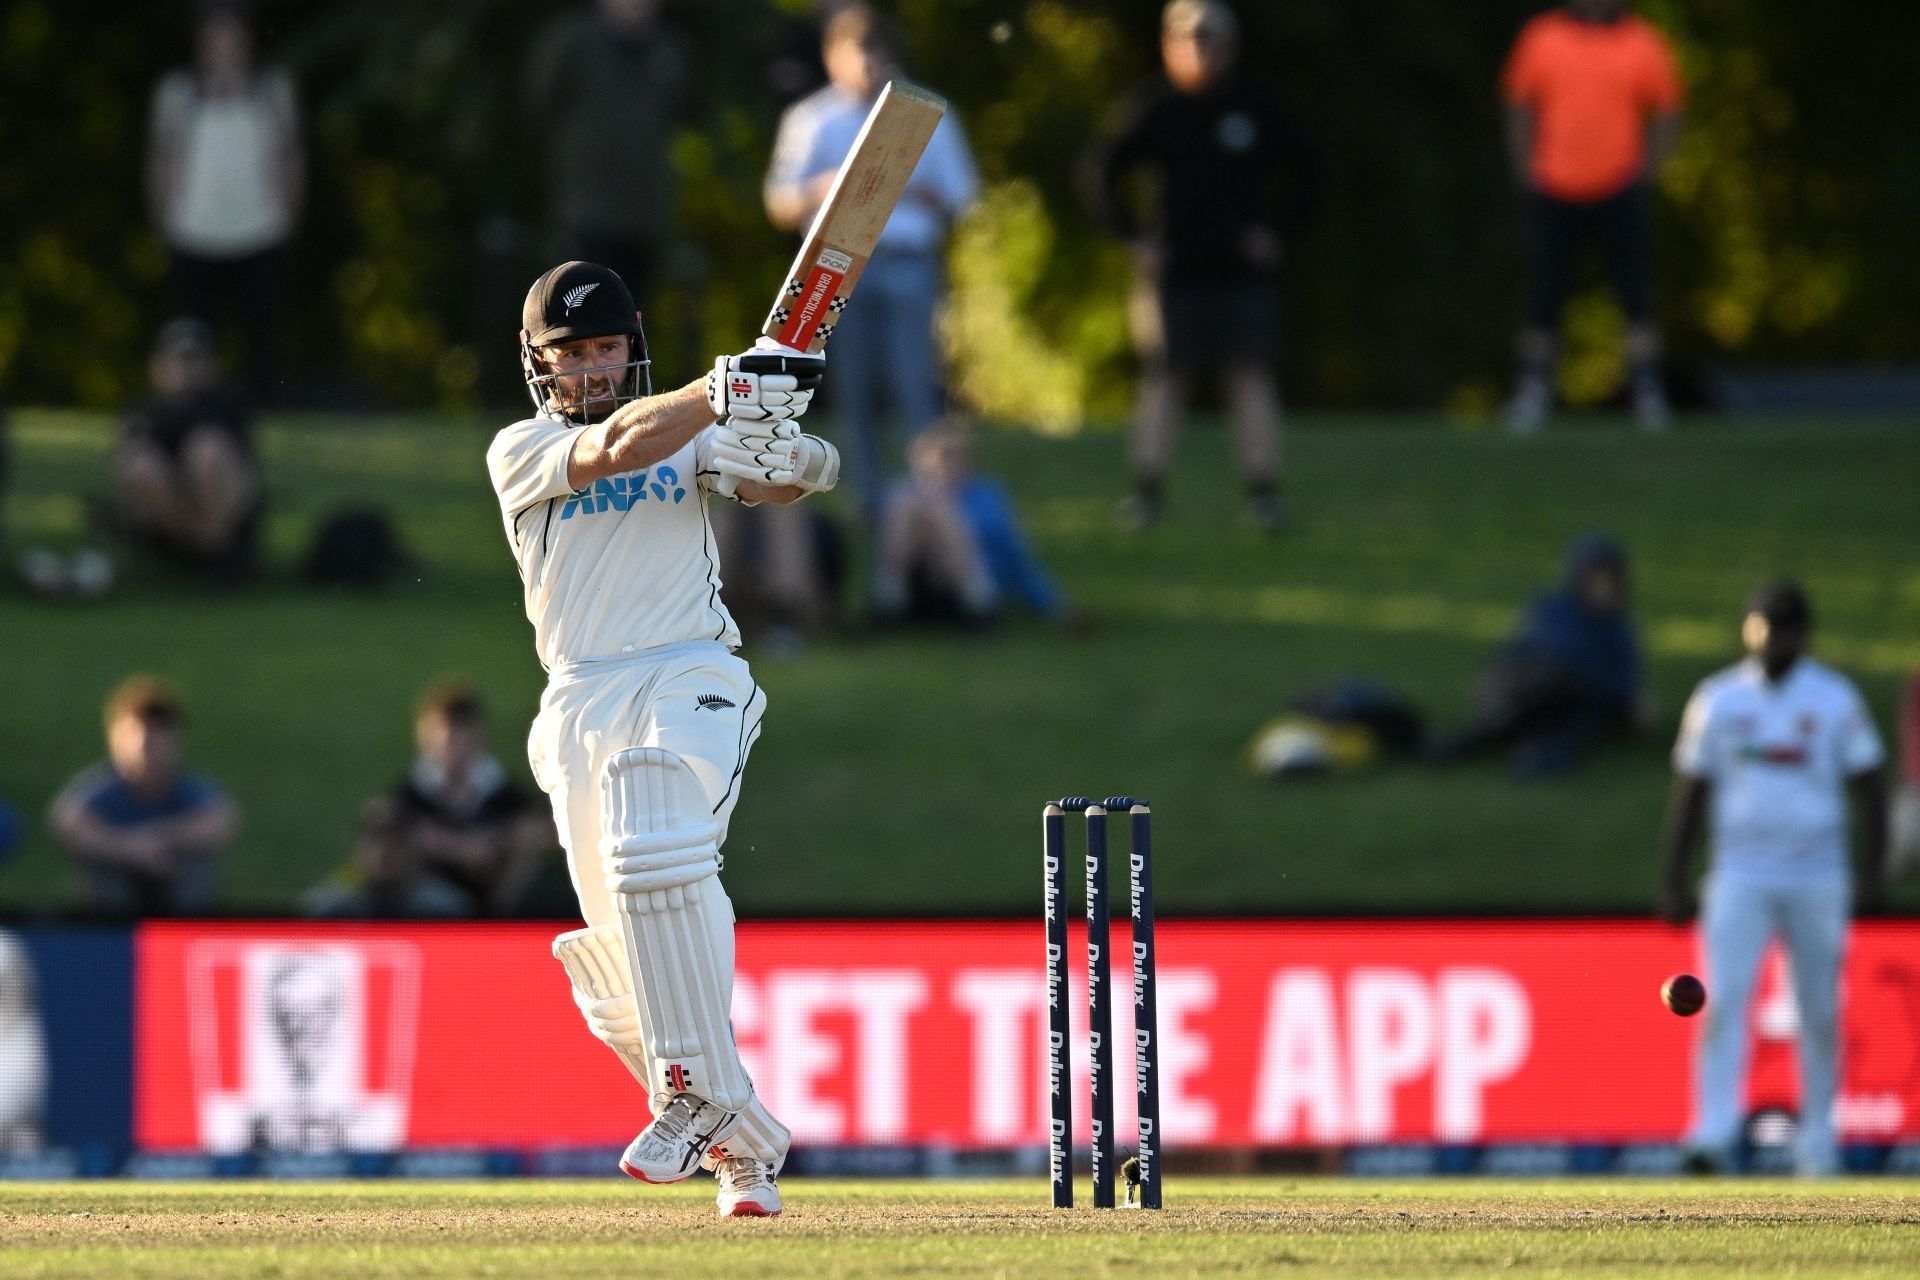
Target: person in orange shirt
x,y
1593,98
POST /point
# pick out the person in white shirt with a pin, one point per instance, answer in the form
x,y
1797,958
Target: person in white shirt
x,y
645,726
1770,747
885,346
225,177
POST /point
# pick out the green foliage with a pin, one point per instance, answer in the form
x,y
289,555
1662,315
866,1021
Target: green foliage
x,y
1788,211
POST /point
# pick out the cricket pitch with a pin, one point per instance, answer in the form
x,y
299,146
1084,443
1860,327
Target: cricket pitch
x,y
1211,1227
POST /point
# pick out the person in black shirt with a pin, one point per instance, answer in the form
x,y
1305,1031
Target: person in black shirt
x,y
187,484
1232,179
454,837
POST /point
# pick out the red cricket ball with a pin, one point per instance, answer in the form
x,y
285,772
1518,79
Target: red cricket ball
x,y
1683,994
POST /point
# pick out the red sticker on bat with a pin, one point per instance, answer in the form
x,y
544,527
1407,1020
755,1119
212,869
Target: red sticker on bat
x,y
810,307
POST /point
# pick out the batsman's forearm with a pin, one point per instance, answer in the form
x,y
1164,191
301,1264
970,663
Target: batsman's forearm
x,y
639,434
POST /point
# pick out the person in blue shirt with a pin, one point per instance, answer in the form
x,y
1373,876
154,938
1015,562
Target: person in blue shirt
x,y
145,833
950,546
1568,677
883,347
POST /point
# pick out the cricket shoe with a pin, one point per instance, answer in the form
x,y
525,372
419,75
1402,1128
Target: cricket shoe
x,y
748,1188
670,1148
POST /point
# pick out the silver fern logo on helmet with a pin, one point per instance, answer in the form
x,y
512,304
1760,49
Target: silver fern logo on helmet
x,y
577,295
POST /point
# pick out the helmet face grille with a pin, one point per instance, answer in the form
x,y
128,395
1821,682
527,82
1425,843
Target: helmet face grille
x,y
589,394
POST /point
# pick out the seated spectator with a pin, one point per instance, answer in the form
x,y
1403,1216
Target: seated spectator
x,y
950,548
187,482
1568,677
145,833
455,836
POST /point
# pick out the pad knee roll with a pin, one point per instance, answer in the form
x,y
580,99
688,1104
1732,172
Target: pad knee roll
x,y
596,963
662,863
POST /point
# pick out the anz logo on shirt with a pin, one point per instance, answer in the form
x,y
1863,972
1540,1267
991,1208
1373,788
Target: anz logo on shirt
x,y
621,492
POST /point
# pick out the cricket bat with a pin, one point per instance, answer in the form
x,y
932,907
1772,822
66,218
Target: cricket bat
x,y
857,207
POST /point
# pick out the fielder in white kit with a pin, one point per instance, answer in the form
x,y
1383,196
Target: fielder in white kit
x,y
1772,747
648,716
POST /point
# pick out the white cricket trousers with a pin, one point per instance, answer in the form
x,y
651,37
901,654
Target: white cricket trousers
x,y
695,699
1737,920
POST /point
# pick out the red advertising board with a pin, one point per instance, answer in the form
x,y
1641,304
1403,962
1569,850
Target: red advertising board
x,y
1274,1033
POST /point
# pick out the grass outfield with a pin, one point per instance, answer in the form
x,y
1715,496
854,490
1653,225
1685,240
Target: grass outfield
x,y
903,775
570,1231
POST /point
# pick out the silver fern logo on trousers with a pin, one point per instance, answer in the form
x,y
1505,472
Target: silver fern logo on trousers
x,y
577,295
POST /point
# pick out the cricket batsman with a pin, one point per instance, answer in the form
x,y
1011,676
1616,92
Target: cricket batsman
x,y
648,716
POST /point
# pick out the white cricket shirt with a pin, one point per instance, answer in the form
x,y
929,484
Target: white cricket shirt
x,y
1778,758
626,564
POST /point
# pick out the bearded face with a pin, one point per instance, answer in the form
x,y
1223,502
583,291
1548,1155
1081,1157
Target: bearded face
x,y
589,378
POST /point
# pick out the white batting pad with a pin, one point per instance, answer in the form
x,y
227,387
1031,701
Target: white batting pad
x,y
755,1133
662,865
596,962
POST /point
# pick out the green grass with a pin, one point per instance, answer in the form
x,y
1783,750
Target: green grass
x,y
1212,1227
904,774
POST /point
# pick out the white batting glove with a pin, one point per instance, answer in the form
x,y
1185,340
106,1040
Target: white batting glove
x,y
763,386
772,454
751,450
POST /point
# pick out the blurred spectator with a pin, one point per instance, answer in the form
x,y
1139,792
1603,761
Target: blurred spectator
x,y
950,546
23,1052
605,91
145,833
1233,183
225,176
455,836
188,487
885,341
1593,98
1906,801
1771,747
796,69
786,571
1568,677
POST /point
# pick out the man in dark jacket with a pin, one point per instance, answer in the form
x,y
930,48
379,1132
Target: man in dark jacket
x,y
1569,676
1231,183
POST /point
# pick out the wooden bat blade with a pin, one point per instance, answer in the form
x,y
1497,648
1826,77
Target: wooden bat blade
x,y
858,204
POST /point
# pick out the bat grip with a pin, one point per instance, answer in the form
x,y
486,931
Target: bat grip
x,y
808,369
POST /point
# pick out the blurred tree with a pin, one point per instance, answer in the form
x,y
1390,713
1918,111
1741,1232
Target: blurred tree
x,y
1788,211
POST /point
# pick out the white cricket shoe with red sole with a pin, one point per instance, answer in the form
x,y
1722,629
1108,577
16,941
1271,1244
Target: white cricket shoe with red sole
x,y
747,1188
670,1149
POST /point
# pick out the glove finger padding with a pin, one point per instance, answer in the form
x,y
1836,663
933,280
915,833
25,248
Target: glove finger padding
x,y
737,434
761,386
758,465
758,472
773,406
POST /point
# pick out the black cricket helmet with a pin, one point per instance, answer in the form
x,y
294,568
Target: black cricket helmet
x,y
582,300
